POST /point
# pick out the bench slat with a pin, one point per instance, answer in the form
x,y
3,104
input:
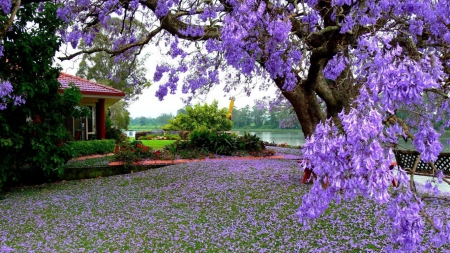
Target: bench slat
x,y
406,159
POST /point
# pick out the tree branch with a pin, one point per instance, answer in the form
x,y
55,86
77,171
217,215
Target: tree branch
x,y
114,52
439,92
408,44
11,19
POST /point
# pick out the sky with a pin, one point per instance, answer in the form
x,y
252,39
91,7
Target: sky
x,y
148,105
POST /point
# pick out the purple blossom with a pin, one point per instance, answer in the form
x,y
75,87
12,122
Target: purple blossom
x,y
6,6
162,9
427,142
6,95
74,36
335,67
63,12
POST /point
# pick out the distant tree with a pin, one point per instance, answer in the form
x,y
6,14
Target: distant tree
x,y
142,121
181,111
151,121
133,121
209,116
163,118
258,116
287,119
119,116
236,118
243,117
273,121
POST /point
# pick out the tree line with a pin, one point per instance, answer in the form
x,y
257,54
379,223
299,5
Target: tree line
x,y
245,117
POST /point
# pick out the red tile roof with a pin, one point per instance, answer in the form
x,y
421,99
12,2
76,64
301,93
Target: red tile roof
x,y
88,87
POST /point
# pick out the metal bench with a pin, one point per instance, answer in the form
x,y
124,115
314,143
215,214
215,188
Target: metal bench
x,y
410,161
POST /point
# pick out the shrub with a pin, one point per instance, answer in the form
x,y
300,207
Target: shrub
x,y
250,143
181,145
203,142
160,137
184,135
91,147
270,144
185,150
115,134
223,144
200,137
132,152
140,134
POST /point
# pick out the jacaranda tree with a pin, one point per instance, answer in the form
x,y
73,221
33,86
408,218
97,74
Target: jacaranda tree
x,y
347,67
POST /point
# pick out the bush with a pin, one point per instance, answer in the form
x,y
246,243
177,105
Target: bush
x,y
250,143
203,142
91,147
160,137
185,150
184,135
200,137
116,134
140,134
224,144
209,116
132,152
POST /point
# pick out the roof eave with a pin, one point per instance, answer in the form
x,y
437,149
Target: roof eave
x,y
101,94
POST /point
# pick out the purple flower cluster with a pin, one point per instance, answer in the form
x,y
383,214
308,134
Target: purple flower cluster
x,y
5,6
6,96
335,67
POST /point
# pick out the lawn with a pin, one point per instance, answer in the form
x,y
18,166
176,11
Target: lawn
x,y
157,144
221,206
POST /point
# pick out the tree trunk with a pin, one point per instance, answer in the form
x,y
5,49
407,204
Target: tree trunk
x,y
306,107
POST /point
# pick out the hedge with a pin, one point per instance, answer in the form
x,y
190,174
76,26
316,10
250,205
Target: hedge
x,y
91,147
139,134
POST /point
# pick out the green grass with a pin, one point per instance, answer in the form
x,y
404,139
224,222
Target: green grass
x,y
144,128
157,144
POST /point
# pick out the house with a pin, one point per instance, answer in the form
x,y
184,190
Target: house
x,y
97,98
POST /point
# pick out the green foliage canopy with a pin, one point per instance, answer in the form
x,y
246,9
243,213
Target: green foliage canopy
x,y
31,133
209,116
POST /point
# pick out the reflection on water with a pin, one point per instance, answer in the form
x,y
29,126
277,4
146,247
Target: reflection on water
x,y
296,138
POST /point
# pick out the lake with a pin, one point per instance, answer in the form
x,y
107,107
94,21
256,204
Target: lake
x,y
296,138
293,138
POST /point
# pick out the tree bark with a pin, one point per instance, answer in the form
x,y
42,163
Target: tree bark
x,y
306,107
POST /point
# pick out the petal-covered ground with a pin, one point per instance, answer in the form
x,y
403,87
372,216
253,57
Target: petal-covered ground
x,y
211,206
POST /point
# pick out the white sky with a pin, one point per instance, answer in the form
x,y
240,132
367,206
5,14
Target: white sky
x,y
148,105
